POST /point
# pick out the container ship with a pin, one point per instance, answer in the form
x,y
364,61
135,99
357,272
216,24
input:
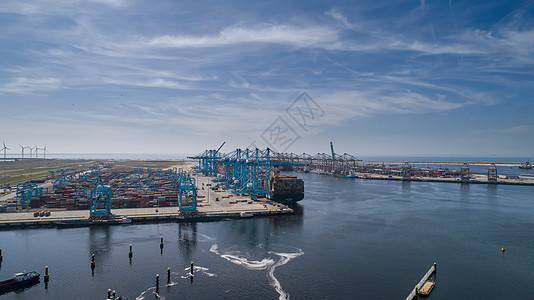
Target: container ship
x,y
20,280
286,188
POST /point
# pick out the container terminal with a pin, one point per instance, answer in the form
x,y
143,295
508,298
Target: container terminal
x,y
238,184
349,166
245,187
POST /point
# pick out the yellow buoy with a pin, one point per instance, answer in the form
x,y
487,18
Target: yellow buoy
x,y
502,248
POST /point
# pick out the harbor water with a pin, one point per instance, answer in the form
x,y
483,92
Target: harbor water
x,y
348,239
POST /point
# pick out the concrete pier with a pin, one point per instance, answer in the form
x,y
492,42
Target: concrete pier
x,y
475,178
429,273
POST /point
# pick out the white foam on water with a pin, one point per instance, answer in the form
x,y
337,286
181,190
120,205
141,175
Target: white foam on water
x,y
142,296
197,270
284,259
206,238
243,261
267,263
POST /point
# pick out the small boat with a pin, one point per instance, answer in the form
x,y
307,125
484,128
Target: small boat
x,y
20,280
426,288
114,221
526,165
246,215
94,222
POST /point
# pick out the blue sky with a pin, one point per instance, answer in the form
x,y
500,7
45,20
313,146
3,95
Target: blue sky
x,y
381,77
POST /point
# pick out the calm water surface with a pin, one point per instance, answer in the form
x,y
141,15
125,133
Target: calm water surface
x,y
349,239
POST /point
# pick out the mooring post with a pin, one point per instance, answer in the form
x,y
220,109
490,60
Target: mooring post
x,y
192,268
1,257
161,243
130,254
157,283
93,261
109,293
168,275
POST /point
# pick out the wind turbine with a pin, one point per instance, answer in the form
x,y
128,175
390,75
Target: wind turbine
x,y
44,152
30,151
4,149
22,147
36,149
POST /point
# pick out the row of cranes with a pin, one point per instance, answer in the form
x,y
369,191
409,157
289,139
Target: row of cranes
x,y
242,171
347,165
250,171
329,163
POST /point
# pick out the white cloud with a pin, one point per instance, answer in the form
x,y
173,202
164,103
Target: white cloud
x,y
312,36
347,105
25,85
509,132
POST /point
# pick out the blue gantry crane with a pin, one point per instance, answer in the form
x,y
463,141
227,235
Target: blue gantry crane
x,y
187,195
100,201
242,171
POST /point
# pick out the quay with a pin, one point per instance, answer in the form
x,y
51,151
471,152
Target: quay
x,y
212,205
418,287
349,166
474,178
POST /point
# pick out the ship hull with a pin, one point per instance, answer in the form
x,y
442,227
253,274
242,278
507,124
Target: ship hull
x,y
13,285
83,223
287,198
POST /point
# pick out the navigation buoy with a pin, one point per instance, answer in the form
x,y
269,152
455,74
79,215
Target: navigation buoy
x,y
192,268
157,283
109,293
130,254
161,243
168,275
92,261
502,249
46,276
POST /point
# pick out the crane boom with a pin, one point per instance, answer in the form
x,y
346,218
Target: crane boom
x,y
332,149
220,147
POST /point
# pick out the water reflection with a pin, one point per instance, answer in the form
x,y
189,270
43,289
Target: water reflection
x,y
492,193
464,191
100,243
187,239
406,185
294,220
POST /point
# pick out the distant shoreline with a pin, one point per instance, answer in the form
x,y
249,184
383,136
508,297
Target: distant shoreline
x,y
419,162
